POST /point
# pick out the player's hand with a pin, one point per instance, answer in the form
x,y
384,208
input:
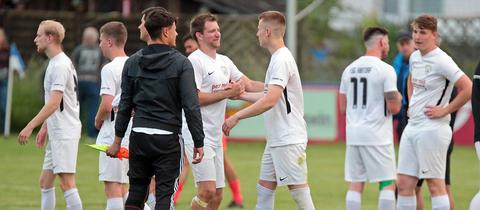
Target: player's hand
x,y
477,148
197,155
41,136
235,89
229,124
113,150
433,112
98,123
24,134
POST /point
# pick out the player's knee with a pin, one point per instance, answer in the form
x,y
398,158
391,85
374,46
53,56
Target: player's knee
x,y
207,194
67,182
436,187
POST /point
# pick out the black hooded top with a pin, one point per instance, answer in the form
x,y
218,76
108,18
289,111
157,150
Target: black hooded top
x,y
157,83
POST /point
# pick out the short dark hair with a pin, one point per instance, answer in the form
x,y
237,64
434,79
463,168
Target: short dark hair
x,y
198,23
404,37
116,30
157,18
425,22
372,31
187,37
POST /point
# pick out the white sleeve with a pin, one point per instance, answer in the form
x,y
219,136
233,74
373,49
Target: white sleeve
x,y
450,70
235,74
108,82
198,70
280,74
60,76
343,84
390,82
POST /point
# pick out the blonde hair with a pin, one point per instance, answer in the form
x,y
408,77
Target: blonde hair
x,y
53,28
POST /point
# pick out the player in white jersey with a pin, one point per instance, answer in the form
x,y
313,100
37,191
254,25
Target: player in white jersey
x,y
217,79
424,144
369,96
112,171
281,101
59,118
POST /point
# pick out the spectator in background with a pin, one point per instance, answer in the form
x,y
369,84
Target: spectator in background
x,y
189,44
4,57
405,48
88,60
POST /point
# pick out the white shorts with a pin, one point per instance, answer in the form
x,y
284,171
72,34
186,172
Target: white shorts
x,y
370,163
61,155
211,167
423,151
286,165
112,169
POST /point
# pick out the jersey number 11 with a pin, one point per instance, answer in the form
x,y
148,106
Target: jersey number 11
x,y
363,80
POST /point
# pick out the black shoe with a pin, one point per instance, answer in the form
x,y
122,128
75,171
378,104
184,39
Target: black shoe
x,y
235,205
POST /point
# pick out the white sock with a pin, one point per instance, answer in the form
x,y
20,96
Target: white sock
x,y
265,198
303,198
475,204
115,204
386,200
151,200
440,202
146,207
353,200
406,202
72,199
48,199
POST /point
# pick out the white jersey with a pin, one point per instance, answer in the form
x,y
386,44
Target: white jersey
x,y
284,122
365,82
433,78
61,76
211,75
111,77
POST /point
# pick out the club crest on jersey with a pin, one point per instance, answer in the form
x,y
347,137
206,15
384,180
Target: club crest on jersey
x,y
428,69
224,70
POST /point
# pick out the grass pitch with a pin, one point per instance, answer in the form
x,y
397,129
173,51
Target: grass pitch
x,y
20,168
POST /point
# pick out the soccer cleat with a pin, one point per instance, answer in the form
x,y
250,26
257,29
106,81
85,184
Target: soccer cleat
x,y
233,204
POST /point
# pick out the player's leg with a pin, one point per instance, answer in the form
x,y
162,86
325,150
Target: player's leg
x,y
232,179
290,163
267,182
433,145
140,169
380,164
64,153
408,169
447,176
419,195
151,200
355,174
182,179
204,174
219,179
47,180
70,191
114,193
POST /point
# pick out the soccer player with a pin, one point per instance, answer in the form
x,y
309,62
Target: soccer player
x,y
426,138
284,159
370,155
216,79
157,83
112,171
475,203
59,118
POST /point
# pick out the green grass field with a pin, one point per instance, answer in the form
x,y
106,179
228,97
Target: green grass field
x,y
20,167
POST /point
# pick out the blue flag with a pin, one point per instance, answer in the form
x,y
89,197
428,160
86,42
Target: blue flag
x,y
16,61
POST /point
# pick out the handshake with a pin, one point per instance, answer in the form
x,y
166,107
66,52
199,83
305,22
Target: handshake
x,y
235,89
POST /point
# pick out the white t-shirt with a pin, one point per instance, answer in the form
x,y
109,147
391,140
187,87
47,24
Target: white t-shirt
x,y
211,75
111,77
433,78
365,82
284,122
60,75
